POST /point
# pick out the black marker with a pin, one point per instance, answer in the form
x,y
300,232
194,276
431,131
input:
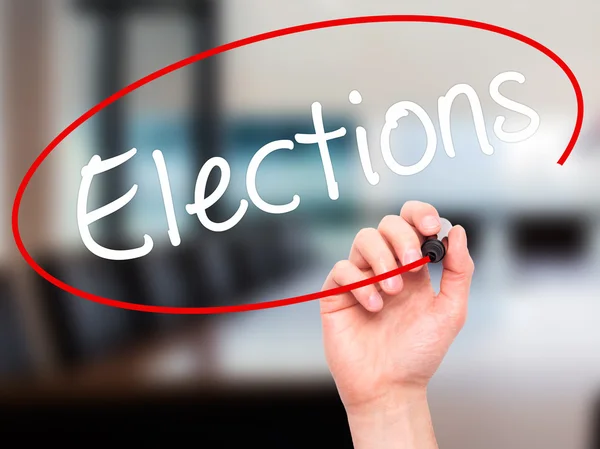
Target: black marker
x,y
434,247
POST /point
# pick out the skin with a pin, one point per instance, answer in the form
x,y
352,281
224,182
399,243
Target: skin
x,y
384,342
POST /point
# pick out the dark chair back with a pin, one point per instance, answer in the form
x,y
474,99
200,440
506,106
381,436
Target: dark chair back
x,y
85,329
15,357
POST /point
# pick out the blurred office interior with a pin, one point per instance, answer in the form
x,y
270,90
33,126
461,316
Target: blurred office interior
x,y
524,372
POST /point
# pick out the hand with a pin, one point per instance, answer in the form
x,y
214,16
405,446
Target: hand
x,y
384,342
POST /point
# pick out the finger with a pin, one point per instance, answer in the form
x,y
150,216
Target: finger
x,y
370,250
346,273
458,268
424,217
403,238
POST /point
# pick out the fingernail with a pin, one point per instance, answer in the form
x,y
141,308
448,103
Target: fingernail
x,y
375,301
393,283
430,222
412,255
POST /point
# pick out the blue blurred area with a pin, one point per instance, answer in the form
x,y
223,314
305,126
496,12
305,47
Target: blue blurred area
x,y
281,175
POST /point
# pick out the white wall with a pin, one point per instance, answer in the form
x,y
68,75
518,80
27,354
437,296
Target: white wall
x,y
420,60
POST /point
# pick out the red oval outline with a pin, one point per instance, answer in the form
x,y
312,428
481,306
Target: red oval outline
x,y
241,43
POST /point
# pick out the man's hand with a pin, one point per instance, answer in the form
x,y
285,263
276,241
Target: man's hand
x,y
384,342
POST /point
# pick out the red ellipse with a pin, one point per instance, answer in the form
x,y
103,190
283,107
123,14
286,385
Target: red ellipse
x,y
241,43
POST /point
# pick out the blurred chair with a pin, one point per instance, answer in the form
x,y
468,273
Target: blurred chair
x,y
15,358
217,269
266,251
199,273
85,330
249,261
164,283
289,245
207,262
550,236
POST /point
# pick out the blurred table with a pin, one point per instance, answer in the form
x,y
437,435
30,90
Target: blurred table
x,y
534,332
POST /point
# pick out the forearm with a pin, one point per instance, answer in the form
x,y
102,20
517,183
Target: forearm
x,y
401,423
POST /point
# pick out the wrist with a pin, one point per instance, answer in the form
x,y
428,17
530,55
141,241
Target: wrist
x,y
395,402
401,419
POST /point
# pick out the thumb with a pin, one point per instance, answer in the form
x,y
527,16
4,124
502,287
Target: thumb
x,y
456,275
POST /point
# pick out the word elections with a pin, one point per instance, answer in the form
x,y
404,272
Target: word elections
x,y
320,137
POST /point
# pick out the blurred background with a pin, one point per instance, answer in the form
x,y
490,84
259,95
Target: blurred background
x,y
524,372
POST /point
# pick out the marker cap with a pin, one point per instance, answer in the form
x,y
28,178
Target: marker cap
x,y
434,247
